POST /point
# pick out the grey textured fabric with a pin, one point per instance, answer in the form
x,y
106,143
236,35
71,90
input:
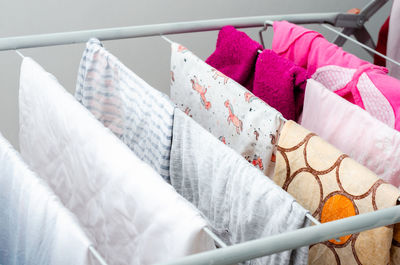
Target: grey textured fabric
x,y
137,113
238,200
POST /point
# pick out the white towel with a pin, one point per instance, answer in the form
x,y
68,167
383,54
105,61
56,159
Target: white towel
x,y
131,213
239,201
35,228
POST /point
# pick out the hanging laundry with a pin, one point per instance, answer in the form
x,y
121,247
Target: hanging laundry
x,y
35,227
225,108
309,49
358,81
123,204
240,203
353,131
394,40
332,186
274,79
381,45
235,56
138,114
346,126
280,83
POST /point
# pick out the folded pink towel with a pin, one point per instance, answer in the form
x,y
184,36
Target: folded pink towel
x,y
235,56
280,83
274,79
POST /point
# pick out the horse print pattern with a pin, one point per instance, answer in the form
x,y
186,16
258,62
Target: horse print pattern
x,y
202,92
219,74
233,118
225,108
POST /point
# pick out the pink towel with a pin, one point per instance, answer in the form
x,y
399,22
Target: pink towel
x,y
309,49
280,83
235,56
369,86
276,80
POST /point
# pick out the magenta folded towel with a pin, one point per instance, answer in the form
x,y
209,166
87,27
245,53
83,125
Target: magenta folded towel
x,y
235,56
271,77
280,83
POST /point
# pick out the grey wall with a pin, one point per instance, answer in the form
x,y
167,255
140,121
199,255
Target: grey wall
x,y
148,57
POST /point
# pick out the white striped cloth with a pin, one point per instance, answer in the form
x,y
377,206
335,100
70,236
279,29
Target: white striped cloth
x,y
137,113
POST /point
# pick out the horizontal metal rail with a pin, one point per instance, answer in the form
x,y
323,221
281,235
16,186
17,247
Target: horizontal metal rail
x,y
63,38
292,240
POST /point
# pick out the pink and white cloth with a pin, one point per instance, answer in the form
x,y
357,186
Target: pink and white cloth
x,y
358,81
225,108
353,131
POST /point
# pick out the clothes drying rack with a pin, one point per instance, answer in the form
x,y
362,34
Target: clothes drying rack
x,y
351,24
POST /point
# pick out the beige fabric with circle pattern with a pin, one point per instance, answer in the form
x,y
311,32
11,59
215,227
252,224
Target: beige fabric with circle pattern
x,y
333,186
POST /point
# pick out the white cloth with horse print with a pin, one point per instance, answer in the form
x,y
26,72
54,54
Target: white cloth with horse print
x,y
225,108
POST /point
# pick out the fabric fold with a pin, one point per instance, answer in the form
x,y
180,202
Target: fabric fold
x,y
134,111
309,49
35,227
235,56
333,186
121,202
274,79
280,83
240,203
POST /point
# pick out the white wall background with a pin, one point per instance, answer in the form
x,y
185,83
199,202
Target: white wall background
x,y
148,57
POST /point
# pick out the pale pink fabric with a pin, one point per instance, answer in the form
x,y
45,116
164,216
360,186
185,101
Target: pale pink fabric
x,y
355,86
312,51
353,131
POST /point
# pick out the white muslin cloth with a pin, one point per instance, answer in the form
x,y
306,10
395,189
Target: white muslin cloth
x,y
240,203
35,228
125,207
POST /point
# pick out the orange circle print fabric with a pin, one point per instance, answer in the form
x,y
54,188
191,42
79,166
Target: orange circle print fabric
x,y
333,186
